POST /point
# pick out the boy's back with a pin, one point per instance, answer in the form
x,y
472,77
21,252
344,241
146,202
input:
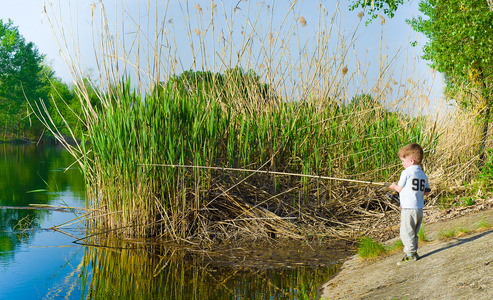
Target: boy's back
x,y
414,182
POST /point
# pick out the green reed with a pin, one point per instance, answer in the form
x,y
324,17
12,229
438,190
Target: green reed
x,y
316,137
287,110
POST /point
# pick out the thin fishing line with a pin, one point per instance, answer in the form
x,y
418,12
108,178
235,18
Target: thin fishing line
x,y
268,172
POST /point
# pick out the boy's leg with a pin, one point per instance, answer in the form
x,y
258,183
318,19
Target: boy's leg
x,y
418,220
410,222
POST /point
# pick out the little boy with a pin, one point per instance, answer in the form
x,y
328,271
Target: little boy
x,y
412,186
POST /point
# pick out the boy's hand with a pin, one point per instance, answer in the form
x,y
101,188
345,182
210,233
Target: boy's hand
x,y
395,187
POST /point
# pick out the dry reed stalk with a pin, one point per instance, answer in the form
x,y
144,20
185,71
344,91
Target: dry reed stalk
x,y
305,111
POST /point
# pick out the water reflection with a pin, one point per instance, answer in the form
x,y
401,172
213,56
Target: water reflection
x,y
26,168
117,273
36,263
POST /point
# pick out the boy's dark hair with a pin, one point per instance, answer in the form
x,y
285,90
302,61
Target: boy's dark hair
x,y
414,150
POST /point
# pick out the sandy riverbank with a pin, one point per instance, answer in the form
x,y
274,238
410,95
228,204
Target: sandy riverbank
x,y
458,268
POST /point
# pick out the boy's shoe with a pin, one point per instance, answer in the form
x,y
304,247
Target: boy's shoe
x,y
408,259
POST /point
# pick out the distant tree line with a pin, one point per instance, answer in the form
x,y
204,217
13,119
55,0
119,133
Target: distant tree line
x,y
25,79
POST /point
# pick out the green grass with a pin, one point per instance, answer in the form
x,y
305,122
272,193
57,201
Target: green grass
x,y
368,248
452,233
467,201
446,234
483,224
422,233
397,245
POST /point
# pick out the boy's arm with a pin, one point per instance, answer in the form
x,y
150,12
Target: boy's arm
x,y
395,187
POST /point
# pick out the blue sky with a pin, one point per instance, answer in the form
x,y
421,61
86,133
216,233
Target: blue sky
x,y
394,35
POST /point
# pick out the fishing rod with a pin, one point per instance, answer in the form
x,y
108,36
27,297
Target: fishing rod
x,y
269,172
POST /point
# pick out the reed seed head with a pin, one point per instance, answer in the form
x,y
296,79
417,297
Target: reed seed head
x,y
93,8
361,14
344,70
382,18
302,21
199,8
197,31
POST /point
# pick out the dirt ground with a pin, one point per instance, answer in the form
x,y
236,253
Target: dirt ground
x,y
458,268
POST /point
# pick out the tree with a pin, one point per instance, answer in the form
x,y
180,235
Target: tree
x,y
388,7
20,76
460,36
233,84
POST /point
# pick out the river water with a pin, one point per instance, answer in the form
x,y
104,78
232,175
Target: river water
x,y
37,262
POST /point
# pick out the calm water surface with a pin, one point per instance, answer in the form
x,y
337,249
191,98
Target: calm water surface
x,y
39,263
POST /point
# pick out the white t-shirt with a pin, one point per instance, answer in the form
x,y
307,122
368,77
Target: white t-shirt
x,y
414,182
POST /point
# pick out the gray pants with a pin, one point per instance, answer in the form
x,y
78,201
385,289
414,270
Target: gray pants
x,y
411,219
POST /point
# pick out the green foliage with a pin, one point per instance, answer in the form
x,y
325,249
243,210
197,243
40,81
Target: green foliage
x,y
363,101
20,64
486,174
388,7
20,78
449,198
368,248
460,36
65,106
467,201
25,81
482,185
232,87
